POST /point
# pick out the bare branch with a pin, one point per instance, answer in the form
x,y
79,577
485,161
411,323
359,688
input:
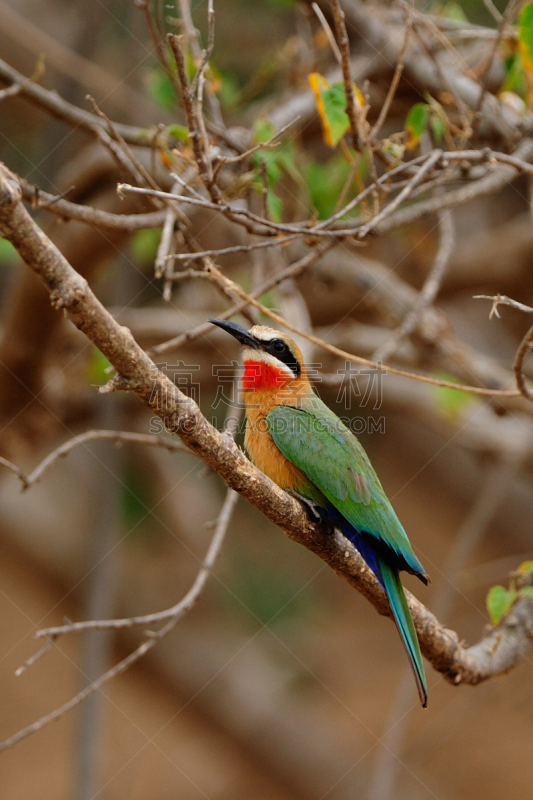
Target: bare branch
x,y
358,359
501,299
428,292
525,345
15,470
92,216
70,113
289,272
153,637
329,33
396,77
354,111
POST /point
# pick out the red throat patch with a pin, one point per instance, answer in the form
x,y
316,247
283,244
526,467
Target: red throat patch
x,y
260,377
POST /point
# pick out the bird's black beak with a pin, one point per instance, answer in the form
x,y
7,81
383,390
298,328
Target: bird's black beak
x,y
240,333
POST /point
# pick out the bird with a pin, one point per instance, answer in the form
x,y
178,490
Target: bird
x,y
302,445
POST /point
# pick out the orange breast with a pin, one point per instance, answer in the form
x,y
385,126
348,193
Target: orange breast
x,y
265,454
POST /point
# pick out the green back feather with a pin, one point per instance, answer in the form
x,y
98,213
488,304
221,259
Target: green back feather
x,y
315,440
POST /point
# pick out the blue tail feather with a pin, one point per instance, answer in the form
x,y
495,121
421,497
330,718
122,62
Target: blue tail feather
x,y
387,575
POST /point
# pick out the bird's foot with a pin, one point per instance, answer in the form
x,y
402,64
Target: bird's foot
x,y
316,512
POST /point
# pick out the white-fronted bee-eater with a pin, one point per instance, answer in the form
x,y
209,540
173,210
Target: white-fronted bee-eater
x,y
298,442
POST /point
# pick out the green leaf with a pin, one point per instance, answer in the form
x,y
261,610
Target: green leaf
x,y
274,206
499,601
144,244
526,567
416,123
330,102
8,254
160,88
325,182
438,126
526,591
264,130
96,372
178,132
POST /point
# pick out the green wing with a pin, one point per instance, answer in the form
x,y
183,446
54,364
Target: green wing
x,y
315,440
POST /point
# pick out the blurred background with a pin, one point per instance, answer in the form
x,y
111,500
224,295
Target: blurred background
x,y
282,682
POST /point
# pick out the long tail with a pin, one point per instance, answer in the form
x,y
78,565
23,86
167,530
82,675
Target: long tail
x,y
405,625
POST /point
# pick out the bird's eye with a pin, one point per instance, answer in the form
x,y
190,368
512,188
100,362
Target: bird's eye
x,y
278,345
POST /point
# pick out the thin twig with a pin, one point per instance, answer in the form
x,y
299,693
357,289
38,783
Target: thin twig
x,y
92,216
403,195
358,359
358,134
179,611
167,238
35,657
483,78
396,77
428,292
16,470
238,248
289,272
502,299
329,33
523,348
91,436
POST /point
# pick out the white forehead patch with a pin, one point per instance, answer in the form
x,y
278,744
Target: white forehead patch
x,y
264,333
249,354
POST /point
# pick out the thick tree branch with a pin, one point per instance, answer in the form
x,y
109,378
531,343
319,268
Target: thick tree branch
x,y
497,652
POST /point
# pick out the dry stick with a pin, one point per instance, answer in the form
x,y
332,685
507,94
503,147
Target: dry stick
x,y
11,91
238,248
204,164
396,77
428,292
485,185
113,436
329,33
493,182
208,52
167,236
403,195
35,657
525,345
16,470
483,79
219,127
70,113
289,272
90,436
179,611
497,652
120,156
359,359
141,173
92,216
498,16
502,299
358,135
158,43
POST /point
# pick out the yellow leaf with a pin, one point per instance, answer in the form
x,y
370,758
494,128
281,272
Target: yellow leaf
x,y
331,104
319,84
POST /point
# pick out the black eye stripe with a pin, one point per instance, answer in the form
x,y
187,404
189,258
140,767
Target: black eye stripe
x,y
283,353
